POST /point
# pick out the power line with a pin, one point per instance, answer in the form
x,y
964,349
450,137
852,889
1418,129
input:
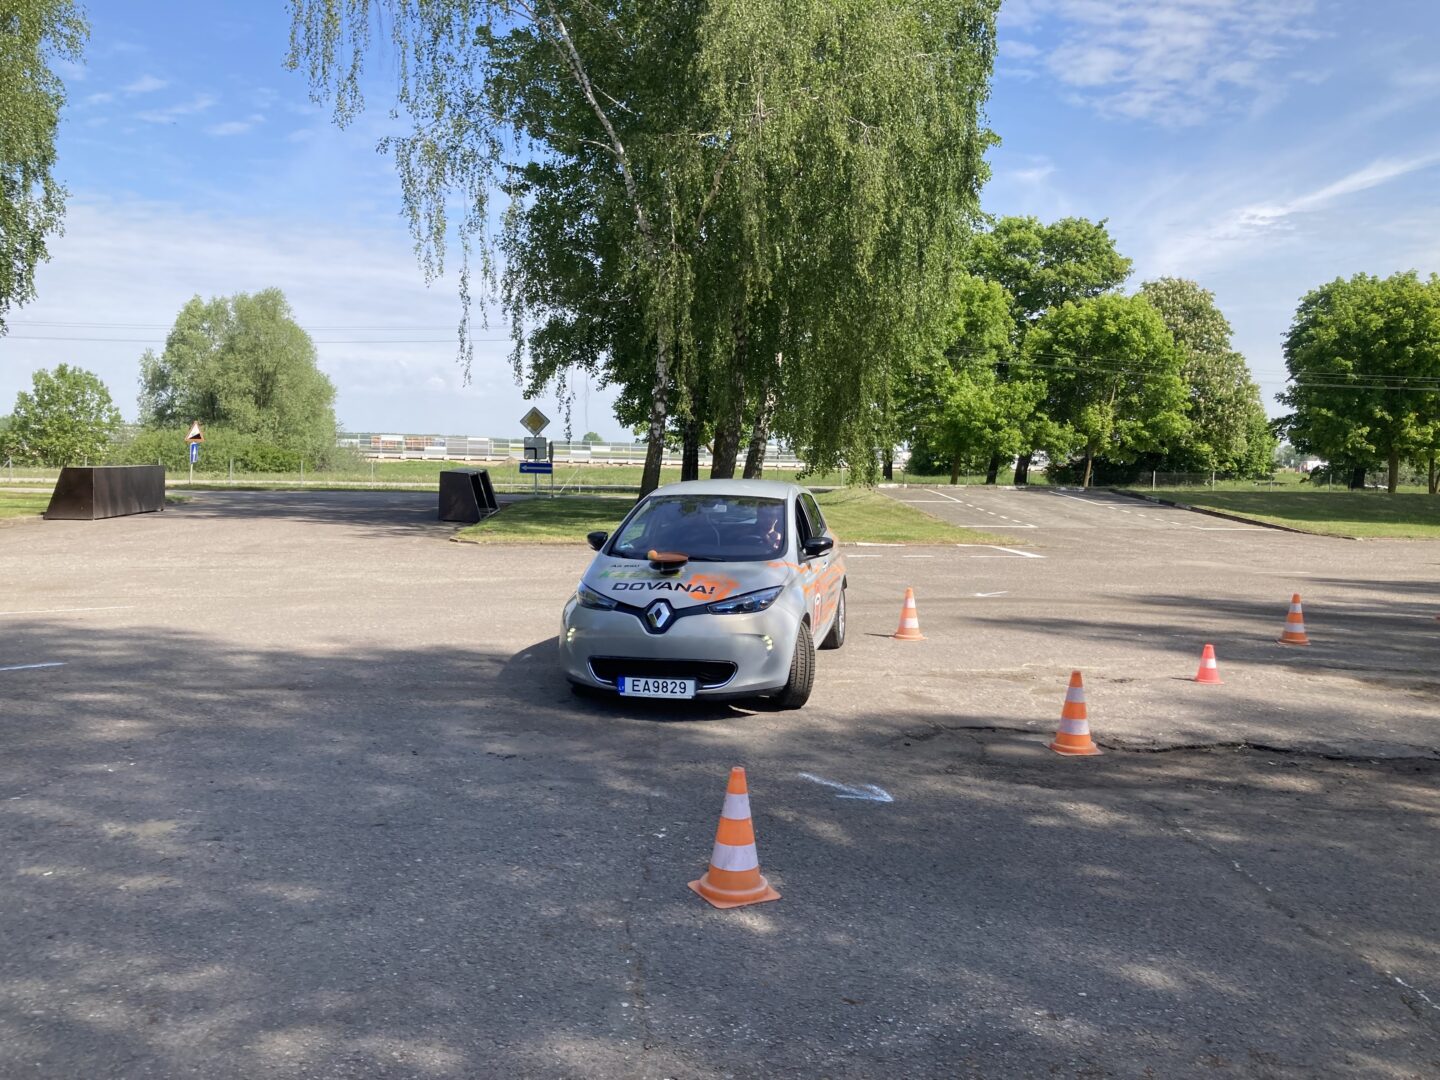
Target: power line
x,y
334,341
169,326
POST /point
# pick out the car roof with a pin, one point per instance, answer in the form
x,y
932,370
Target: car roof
x,y
759,489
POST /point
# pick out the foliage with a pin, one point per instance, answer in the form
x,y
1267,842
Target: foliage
x,y
1114,387
1041,267
66,418
34,34
742,213
1364,363
1044,266
1228,429
954,410
242,363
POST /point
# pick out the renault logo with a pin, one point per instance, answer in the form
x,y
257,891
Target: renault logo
x,y
658,615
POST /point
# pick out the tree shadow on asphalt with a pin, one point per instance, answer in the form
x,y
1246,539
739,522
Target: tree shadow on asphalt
x,y
433,862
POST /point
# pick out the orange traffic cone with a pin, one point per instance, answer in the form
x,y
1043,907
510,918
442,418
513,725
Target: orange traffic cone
x,y
1208,672
1294,624
734,878
909,620
1073,738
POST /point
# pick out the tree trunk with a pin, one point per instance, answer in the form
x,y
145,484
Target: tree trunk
x,y
954,471
1392,478
1434,476
759,439
655,447
1357,478
1089,463
1022,469
690,450
887,464
992,472
727,428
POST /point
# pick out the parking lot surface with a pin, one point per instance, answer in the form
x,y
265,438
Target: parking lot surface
x,y
291,786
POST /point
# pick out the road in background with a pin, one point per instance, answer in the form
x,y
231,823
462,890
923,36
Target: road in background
x,y
308,798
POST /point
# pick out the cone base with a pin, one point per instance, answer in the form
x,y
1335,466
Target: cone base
x,y
702,890
1213,679
1067,751
908,635
1285,641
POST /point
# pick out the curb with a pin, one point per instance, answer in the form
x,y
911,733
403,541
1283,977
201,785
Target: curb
x,y
1226,515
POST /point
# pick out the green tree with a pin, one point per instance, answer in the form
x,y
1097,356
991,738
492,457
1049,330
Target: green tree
x,y
33,35
952,406
1364,362
66,418
591,437
1042,267
1228,430
751,191
1113,373
241,363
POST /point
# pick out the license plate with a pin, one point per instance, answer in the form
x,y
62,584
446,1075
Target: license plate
x,y
631,686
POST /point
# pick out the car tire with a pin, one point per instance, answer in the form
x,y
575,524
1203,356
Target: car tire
x,y
802,672
836,637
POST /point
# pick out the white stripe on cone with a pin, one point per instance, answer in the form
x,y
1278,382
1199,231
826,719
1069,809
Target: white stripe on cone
x,y
1074,727
1075,695
732,857
736,808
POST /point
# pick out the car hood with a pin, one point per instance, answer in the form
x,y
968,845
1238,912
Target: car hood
x,y
633,582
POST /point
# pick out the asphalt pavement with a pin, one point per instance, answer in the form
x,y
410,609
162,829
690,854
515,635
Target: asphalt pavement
x,y
291,787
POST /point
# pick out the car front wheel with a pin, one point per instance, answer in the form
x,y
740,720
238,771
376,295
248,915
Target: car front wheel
x,y
802,672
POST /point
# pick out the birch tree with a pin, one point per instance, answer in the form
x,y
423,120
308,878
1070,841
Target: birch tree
x,y
730,210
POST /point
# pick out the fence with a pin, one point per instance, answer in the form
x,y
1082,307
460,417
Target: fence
x,y
485,448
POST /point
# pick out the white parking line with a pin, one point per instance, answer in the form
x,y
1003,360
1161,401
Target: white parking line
x,y
1013,552
65,610
32,667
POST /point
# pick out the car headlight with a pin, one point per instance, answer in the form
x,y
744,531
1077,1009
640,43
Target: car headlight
x,y
588,597
744,605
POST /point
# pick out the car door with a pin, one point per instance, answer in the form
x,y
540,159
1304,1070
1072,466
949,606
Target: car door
x,y
823,572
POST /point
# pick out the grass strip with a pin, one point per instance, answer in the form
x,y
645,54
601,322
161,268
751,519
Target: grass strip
x,y
1369,514
23,504
855,514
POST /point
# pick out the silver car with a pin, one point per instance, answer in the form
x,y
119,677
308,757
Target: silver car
x,y
711,589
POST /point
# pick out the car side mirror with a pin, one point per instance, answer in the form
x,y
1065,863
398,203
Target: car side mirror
x,y
597,539
817,546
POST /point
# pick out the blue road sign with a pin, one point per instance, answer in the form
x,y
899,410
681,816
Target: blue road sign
x,y
194,452
542,467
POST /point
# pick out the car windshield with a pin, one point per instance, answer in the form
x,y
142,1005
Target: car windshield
x,y
707,528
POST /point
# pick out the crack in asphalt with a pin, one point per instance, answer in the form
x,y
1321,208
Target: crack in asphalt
x,y
1172,748
1268,897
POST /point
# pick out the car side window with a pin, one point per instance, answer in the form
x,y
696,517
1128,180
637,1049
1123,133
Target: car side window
x,y
802,526
812,511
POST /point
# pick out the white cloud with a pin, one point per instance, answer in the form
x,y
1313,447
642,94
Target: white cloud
x,y
146,84
1256,221
1173,63
341,282
171,113
236,127
102,98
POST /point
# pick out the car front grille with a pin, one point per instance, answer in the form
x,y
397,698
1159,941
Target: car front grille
x,y
708,674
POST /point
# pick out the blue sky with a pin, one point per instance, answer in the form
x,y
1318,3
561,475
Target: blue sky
x,y
1260,147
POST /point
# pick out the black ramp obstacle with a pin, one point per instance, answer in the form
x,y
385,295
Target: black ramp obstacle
x,y
466,495
91,492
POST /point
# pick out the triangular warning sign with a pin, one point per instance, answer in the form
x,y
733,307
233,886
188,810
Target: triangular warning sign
x,y
196,435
